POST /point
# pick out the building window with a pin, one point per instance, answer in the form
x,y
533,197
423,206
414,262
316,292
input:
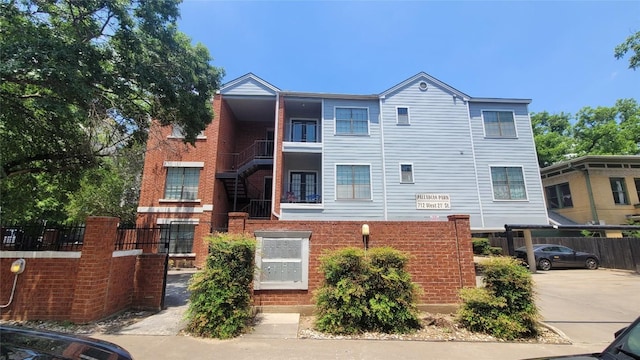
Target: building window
x,y
619,190
637,181
403,116
282,258
406,173
302,187
353,182
499,124
508,183
304,131
178,132
352,121
182,183
176,238
559,196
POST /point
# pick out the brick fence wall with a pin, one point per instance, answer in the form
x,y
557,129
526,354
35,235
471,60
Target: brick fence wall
x,y
441,253
82,286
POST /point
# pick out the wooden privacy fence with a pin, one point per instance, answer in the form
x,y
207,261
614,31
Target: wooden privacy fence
x,y
614,253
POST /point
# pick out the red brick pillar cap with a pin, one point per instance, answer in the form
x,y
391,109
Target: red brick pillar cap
x,y
239,215
458,217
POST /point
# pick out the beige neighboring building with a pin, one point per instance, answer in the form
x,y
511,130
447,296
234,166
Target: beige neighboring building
x,y
603,189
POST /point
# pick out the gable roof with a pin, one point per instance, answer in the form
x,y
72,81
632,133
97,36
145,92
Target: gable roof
x,y
261,87
425,76
248,78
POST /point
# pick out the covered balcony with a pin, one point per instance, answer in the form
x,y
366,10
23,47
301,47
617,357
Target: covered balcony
x,y
302,180
303,126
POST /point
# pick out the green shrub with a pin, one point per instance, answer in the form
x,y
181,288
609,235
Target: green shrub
x,y
220,304
479,245
482,246
505,307
366,292
494,251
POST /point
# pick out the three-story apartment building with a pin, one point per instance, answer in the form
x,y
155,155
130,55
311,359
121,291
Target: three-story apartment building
x,y
420,150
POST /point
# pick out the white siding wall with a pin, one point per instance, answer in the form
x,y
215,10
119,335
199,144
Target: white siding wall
x,y
437,143
518,151
249,87
446,145
347,149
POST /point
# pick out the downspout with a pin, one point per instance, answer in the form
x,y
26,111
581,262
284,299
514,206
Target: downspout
x,y
384,165
592,204
276,152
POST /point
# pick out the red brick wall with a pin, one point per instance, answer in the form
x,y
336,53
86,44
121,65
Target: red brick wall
x,y
121,287
96,285
441,253
149,281
44,290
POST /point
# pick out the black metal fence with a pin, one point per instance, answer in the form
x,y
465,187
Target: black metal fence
x,y
614,253
42,237
146,238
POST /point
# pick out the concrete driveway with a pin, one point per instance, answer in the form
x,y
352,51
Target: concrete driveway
x,y
589,306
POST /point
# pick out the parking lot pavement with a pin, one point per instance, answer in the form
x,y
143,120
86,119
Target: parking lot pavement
x,y
589,306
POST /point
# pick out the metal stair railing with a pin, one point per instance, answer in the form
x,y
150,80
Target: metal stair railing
x,y
260,149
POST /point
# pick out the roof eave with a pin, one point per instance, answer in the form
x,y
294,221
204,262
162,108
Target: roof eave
x,y
328,95
500,100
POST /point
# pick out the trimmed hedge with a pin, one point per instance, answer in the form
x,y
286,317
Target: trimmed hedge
x,y
220,304
482,246
505,306
369,291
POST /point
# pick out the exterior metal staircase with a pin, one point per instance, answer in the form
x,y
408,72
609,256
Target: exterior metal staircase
x,y
235,168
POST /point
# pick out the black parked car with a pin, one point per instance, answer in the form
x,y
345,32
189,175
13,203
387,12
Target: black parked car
x,y
558,256
18,343
626,346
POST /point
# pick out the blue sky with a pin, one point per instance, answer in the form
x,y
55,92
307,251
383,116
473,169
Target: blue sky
x,y
558,53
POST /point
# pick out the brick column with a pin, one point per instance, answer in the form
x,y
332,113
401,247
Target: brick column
x,y
237,221
92,280
278,179
464,249
149,281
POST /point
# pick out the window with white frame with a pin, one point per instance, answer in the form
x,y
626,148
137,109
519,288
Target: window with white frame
x,y
182,183
508,183
352,121
353,182
499,124
302,187
178,132
402,114
304,130
406,173
176,238
282,258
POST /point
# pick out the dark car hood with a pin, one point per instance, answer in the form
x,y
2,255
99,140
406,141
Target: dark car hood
x,y
571,357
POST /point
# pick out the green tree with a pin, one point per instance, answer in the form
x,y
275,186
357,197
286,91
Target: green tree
x,y
608,130
80,81
71,70
34,196
632,45
603,130
552,134
110,190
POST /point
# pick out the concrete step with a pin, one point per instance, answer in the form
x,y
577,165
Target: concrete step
x,y
275,326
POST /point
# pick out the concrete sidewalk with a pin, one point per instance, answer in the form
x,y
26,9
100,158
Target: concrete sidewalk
x,y
247,347
275,337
